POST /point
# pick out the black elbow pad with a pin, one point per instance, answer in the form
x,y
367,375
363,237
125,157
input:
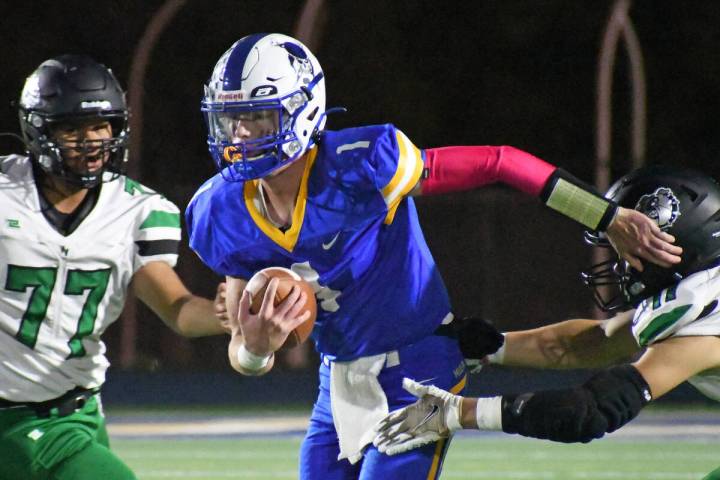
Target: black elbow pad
x,y
620,393
610,399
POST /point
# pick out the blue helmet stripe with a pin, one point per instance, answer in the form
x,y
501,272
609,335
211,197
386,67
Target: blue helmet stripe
x,y
232,76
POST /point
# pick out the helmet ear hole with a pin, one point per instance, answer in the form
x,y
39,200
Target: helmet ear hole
x,y
311,117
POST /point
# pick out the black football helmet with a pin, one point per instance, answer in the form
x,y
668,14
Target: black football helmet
x,y
685,204
67,89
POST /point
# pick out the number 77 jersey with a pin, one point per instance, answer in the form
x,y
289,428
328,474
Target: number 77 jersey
x,y
58,293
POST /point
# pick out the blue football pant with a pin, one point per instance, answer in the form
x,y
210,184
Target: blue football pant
x,y
436,360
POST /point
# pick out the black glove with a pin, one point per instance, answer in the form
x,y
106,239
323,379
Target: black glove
x,y
477,336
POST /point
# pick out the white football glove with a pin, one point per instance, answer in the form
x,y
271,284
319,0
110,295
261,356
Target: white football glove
x,y
435,415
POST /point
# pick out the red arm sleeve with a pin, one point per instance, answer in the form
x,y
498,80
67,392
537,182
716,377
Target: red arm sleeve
x,y
453,169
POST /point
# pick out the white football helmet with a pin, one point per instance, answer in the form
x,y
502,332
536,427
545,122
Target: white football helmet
x,y
271,80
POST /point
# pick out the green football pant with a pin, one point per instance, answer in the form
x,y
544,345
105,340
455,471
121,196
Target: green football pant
x,y
73,447
714,475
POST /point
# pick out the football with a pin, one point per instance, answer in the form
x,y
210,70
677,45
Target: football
x,y
287,278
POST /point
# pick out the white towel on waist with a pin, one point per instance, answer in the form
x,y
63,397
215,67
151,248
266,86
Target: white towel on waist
x,y
358,403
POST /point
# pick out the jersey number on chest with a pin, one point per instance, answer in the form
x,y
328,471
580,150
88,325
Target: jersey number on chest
x,y
42,282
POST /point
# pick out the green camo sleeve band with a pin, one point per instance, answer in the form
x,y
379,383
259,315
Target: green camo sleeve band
x,y
573,199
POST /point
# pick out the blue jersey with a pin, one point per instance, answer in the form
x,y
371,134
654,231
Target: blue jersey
x,y
355,237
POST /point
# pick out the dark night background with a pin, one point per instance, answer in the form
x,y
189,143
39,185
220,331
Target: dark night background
x,y
514,72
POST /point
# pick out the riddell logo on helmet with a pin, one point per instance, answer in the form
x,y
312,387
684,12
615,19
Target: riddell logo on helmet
x,y
101,104
230,96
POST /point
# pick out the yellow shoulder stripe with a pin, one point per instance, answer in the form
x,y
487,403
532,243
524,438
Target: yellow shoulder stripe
x,y
409,169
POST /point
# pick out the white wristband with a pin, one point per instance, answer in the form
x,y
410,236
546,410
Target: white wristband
x,y
499,356
250,361
488,413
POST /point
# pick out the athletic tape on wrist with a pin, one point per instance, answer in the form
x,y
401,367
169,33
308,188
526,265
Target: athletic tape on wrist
x,y
488,413
499,356
250,361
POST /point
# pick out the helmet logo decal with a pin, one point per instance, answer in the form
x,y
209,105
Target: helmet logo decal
x,y
661,205
263,91
299,60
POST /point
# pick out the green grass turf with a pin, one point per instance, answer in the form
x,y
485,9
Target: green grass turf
x,y
470,457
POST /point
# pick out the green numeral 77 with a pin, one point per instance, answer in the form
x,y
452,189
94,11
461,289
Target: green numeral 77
x,y
42,281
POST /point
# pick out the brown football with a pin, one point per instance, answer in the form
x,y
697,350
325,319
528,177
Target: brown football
x,y
287,278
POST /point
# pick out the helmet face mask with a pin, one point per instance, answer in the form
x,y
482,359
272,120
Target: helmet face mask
x,y
74,91
262,77
685,204
608,280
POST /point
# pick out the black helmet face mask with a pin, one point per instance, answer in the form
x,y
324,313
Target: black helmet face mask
x,y
685,204
73,107
608,281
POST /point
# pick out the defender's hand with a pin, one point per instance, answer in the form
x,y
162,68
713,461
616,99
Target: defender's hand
x,y
434,416
221,311
635,236
478,338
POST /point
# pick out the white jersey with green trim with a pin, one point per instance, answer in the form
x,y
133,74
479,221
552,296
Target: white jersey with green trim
x,y
59,293
689,308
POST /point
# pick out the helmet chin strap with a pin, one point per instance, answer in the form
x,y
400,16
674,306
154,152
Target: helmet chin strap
x,y
67,176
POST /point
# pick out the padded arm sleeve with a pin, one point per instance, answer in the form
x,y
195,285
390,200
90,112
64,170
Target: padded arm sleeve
x,y
606,402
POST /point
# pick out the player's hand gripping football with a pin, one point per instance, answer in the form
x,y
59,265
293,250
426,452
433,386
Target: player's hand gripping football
x,y
435,415
637,237
266,331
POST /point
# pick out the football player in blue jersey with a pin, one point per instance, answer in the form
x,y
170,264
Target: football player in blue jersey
x,y
336,207
670,313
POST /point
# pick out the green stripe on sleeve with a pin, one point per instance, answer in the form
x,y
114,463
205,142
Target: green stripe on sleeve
x,y
158,218
661,323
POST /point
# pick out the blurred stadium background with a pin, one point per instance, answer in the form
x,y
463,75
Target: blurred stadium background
x,y
518,72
